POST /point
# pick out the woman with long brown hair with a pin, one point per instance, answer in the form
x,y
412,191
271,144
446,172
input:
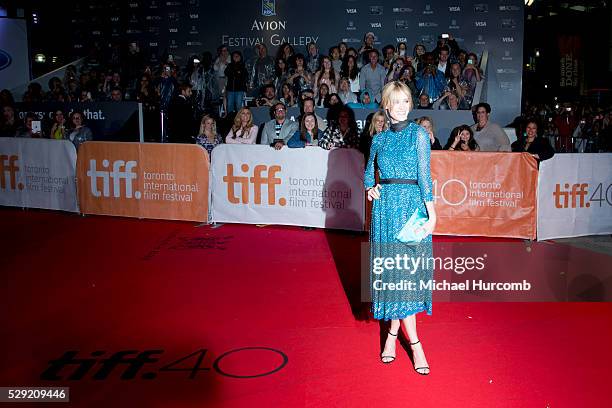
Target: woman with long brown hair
x,y
326,75
308,134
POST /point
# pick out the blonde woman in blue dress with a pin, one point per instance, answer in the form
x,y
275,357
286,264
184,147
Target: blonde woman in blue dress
x,y
402,154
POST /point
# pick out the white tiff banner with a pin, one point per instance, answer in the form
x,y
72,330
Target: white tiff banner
x,y
310,186
38,173
575,195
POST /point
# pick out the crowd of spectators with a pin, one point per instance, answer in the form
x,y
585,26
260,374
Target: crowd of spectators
x,y
208,100
571,127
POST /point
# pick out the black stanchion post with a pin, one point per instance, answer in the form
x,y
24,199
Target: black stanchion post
x,y
163,127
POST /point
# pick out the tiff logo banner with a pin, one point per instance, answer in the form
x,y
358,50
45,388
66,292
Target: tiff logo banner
x,y
583,195
8,166
262,175
567,198
116,175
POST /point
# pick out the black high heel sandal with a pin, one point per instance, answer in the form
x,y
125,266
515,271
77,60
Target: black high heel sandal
x,y
383,357
420,368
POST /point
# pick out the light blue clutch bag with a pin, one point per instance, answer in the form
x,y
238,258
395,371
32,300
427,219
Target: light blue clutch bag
x,y
408,232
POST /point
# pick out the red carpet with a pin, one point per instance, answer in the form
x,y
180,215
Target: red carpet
x,y
88,284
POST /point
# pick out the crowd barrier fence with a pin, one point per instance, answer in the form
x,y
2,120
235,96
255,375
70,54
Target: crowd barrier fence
x,y
479,194
38,173
309,187
485,194
575,195
144,180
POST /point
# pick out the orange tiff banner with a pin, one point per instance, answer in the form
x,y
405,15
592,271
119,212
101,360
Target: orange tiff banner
x,y
143,180
485,194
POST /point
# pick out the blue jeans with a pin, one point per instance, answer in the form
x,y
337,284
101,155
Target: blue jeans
x,y
234,101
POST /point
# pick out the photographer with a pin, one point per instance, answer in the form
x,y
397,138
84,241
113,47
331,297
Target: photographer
x,y
429,80
268,96
395,70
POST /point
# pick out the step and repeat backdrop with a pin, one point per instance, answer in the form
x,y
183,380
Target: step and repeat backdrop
x,y
185,27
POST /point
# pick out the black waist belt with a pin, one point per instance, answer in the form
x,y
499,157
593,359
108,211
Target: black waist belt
x,y
398,181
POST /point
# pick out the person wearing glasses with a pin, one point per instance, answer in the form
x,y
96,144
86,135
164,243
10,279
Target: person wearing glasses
x,y
278,131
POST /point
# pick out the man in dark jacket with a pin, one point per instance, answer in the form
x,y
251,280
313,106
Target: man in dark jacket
x,y
180,117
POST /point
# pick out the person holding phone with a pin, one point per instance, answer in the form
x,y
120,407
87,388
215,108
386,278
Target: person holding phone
x,y
471,71
447,41
430,81
395,70
405,187
31,127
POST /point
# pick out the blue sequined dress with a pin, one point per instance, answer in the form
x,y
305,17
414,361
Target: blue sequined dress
x,y
403,154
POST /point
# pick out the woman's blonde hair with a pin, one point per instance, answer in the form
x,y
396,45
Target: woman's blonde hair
x,y
237,123
204,119
372,128
391,91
